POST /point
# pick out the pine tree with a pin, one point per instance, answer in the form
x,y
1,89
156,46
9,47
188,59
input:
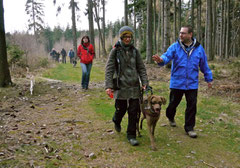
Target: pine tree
x,y
34,8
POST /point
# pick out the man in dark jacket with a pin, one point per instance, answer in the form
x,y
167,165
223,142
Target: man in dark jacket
x,y
53,54
125,64
187,57
64,54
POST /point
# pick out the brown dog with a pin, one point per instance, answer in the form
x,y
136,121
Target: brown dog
x,y
151,109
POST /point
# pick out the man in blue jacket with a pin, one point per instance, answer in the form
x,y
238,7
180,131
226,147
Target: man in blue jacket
x,y
71,55
187,56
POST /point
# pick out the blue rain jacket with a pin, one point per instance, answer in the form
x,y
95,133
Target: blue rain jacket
x,y
186,65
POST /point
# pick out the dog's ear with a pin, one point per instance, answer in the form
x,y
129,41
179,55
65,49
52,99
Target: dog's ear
x,y
163,100
150,99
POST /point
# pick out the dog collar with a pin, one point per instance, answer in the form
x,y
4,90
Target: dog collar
x,y
149,111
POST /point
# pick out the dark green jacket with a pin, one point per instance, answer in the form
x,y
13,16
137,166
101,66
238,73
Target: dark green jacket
x,y
132,69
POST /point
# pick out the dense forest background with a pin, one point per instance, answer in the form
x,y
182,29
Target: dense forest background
x,y
156,24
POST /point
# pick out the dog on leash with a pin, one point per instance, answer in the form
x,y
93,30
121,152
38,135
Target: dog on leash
x,y
151,109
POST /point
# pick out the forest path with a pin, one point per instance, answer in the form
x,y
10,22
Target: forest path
x,y
61,125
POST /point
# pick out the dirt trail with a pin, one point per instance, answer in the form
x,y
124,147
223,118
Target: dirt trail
x,y
54,128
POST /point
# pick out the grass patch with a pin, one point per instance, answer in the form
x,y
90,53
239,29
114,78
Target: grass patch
x,y
102,104
68,73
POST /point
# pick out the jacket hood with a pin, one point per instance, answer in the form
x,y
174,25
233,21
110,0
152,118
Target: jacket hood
x,y
195,43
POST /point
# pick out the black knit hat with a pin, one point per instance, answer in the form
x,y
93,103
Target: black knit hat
x,y
125,30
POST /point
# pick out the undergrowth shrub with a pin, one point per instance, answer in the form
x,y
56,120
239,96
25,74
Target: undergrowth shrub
x,y
212,66
43,62
15,56
216,73
236,70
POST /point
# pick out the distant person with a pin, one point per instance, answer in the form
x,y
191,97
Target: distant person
x,y
71,55
57,57
187,56
86,54
64,54
53,54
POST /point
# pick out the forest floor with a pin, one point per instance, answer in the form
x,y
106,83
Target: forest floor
x,y
61,125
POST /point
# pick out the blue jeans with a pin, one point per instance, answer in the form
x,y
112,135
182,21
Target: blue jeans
x,y
86,69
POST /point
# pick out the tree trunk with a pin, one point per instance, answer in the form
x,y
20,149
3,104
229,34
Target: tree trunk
x,y
142,32
159,28
103,25
199,29
140,39
90,20
162,31
235,40
99,34
221,33
192,15
224,30
166,25
5,78
179,15
99,29
214,31
175,21
149,32
227,29
99,45
154,27
135,24
126,12
74,28
209,30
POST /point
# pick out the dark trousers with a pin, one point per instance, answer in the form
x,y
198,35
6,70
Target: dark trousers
x,y
133,108
71,60
64,59
191,109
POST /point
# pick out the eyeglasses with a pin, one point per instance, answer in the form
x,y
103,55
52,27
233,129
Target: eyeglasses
x,y
127,37
183,33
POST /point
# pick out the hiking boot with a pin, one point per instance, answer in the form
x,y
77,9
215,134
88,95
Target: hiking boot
x,y
117,127
192,134
133,142
172,123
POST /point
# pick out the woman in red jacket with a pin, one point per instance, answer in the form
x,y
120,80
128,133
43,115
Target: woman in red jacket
x,y
86,54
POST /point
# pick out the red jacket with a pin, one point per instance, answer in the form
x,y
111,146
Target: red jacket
x,y
86,53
